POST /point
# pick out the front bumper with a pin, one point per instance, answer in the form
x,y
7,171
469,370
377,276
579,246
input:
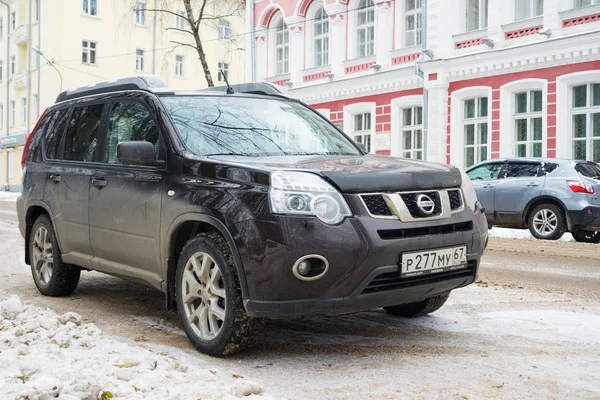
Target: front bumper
x,y
362,252
362,299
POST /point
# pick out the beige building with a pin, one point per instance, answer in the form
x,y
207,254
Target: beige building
x,y
86,41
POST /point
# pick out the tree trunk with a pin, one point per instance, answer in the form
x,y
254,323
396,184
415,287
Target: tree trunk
x,y
195,28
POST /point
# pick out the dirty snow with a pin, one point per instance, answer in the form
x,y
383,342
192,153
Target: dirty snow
x,y
44,355
9,196
508,233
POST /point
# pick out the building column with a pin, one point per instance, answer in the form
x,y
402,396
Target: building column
x,y
383,38
337,38
438,138
260,61
552,18
296,43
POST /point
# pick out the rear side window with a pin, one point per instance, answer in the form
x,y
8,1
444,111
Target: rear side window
x,y
588,170
522,170
54,132
82,133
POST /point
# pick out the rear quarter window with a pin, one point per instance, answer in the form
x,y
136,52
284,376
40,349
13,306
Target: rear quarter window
x,y
54,133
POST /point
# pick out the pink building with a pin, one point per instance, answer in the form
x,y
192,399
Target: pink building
x,y
456,81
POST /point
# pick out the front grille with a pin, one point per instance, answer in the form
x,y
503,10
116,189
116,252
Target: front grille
x,y
411,205
392,280
391,234
455,199
376,205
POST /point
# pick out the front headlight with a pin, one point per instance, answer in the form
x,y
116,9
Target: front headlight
x,y
469,192
303,193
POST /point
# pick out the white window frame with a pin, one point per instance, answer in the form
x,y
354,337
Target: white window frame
x,y
10,160
457,136
139,59
396,107
415,152
36,106
225,67
1,116
529,117
36,11
1,27
12,116
366,12
140,13
507,113
531,9
417,33
88,49
23,110
586,111
180,20
90,9
12,68
179,68
282,49
1,70
322,39
13,21
482,18
581,3
564,101
224,29
350,111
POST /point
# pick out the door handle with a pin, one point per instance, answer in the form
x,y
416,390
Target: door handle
x,y
533,184
488,186
55,178
99,183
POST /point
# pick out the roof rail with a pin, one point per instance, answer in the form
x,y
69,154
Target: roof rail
x,y
149,83
263,88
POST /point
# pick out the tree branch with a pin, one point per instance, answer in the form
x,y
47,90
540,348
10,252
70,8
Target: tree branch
x,y
166,11
183,44
179,30
201,16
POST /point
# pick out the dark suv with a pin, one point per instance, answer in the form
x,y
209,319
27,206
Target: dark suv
x,y
238,206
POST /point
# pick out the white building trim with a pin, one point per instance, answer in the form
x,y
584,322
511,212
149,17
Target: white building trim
x,y
397,105
507,113
564,101
457,116
359,108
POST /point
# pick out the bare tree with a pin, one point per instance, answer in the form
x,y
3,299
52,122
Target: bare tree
x,y
200,16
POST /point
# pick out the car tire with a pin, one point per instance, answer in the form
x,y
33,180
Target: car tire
x,y
547,222
586,236
51,275
420,308
209,299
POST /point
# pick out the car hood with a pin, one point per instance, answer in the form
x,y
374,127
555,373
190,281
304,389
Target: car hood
x,y
368,173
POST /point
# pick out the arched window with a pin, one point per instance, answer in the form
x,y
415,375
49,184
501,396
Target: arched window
x,y
282,49
365,37
321,32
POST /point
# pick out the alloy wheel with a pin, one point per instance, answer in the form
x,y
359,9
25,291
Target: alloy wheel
x,y
203,295
43,256
545,222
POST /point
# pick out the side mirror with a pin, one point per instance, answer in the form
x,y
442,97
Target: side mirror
x,y
137,153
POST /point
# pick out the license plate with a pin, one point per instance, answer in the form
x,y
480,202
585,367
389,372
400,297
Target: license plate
x,y
433,261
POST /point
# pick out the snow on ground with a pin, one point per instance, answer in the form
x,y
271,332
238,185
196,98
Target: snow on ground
x,y
9,196
44,355
521,234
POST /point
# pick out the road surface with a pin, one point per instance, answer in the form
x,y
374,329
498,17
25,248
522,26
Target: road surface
x,y
528,329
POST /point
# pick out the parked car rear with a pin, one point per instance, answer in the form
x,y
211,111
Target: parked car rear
x,y
548,196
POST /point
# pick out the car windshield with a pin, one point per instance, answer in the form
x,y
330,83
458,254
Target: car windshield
x,y
245,126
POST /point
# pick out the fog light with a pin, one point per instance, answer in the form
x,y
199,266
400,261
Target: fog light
x,y
304,267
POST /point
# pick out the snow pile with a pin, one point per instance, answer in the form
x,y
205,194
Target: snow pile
x,y
43,356
521,234
9,196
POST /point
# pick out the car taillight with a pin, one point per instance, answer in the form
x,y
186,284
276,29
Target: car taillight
x,y
580,187
28,141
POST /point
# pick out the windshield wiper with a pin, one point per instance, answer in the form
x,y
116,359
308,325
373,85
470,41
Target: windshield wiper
x,y
228,154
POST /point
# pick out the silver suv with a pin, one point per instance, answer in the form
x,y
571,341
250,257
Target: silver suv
x,y
547,195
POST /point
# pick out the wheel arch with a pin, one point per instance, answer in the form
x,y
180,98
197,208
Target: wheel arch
x,y
34,211
181,230
542,200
